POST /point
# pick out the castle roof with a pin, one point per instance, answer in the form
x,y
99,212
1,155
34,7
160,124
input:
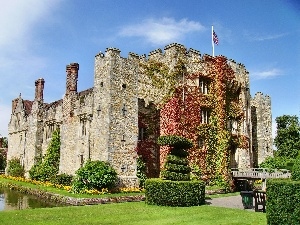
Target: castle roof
x,y
53,104
86,92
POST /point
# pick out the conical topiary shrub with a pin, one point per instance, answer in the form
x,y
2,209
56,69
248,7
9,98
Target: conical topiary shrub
x,y
176,166
176,188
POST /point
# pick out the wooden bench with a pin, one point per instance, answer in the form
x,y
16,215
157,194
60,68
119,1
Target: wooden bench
x,y
259,201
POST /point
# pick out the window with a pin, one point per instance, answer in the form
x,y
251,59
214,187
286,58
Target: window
x,y
201,142
142,133
232,126
205,116
49,130
203,86
83,126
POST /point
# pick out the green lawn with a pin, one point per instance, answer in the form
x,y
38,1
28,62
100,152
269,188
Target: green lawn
x,y
132,213
127,213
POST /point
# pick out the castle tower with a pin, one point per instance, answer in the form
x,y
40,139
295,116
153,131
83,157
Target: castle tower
x,y
261,127
115,121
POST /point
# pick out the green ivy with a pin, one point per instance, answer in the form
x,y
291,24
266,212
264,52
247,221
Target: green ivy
x,y
48,168
141,172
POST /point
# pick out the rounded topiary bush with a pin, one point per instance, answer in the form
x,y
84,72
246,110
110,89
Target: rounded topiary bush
x,y
94,175
296,170
176,188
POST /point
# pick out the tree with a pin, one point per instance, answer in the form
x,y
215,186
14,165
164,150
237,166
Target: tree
x,y
48,168
287,139
4,142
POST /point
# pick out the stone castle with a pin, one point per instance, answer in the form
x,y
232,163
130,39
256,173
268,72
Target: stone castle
x,y
104,122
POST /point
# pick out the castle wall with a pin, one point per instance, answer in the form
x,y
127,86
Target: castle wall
x,y
17,131
102,123
116,95
262,127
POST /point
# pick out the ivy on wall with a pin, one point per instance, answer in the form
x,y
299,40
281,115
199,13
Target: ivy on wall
x,y
180,114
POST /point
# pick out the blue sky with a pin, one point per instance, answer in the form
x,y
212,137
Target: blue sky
x,y
39,38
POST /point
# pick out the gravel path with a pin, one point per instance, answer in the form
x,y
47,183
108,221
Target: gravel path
x,y
228,202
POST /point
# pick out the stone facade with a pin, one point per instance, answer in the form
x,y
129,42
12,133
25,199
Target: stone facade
x,y
104,122
262,127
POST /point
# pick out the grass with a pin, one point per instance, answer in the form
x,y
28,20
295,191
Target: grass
x,y
132,213
61,191
126,213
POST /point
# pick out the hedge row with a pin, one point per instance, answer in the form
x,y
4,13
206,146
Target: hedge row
x,y
283,202
174,193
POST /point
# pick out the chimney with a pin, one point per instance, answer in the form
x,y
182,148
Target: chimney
x,y
39,89
14,105
72,77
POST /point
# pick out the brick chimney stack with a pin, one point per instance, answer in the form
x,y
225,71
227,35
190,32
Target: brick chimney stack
x,y
39,89
72,77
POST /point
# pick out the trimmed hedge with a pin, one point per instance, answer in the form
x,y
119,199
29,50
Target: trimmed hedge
x,y
170,175
175,141
283,202
174,193
177,160
178,168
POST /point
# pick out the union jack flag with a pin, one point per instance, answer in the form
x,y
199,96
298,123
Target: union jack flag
x,y
215,38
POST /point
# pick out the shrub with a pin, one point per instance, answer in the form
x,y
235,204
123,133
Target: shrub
x,y
94,175
3,155
277,163
296,170
48,168
15,168
175,141
63,179
174,193
177,160
283,202
176,166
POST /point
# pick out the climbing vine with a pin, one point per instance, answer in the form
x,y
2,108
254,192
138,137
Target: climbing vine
x,y
180,115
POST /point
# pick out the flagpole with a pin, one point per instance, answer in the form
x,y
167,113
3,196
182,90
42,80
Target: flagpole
x,y
212,41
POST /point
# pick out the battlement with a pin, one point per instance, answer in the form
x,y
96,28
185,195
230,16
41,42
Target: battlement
x,y
194,53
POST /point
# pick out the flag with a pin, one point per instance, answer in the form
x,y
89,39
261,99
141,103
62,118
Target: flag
x,y
215,38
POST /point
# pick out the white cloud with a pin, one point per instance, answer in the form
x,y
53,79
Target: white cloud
x,y
19,22
4,119
266,74
161,31
263,37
